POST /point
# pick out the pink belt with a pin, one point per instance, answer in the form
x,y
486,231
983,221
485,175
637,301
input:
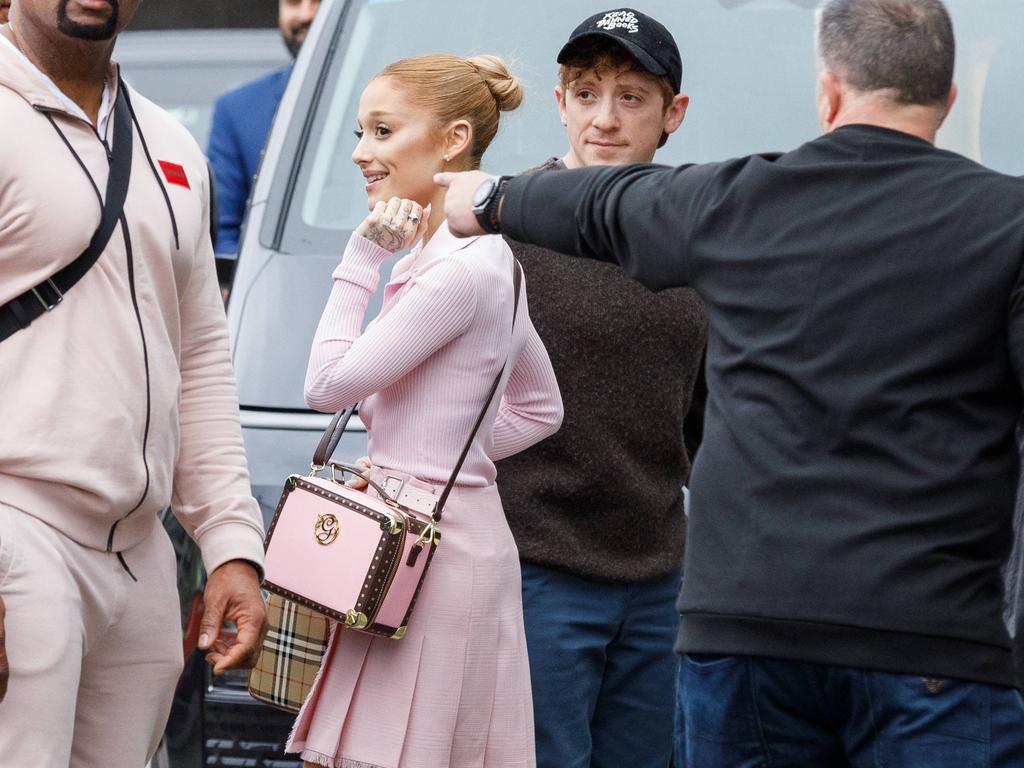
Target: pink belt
x,y
418,495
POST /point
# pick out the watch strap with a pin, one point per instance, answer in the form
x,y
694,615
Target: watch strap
x,y
488,215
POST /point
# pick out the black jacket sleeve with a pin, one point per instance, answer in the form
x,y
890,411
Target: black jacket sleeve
x,y
637,216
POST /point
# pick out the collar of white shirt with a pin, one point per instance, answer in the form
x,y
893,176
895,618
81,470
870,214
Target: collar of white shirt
x,y
71,107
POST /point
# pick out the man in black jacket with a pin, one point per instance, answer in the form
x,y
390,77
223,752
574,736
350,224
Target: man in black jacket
x,y
597,509
852,500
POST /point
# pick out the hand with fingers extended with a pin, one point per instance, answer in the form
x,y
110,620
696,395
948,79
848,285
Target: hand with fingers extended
x,y
5,671
459,198
233,594
396,224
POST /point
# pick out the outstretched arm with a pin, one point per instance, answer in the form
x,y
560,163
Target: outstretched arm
x,y
637,216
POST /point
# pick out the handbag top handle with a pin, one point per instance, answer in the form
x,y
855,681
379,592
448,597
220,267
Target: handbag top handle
x,y
332,435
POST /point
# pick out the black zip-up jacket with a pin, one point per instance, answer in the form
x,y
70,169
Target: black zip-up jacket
x,y
853,495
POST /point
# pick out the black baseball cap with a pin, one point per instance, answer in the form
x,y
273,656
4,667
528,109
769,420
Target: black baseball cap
x,y
645,39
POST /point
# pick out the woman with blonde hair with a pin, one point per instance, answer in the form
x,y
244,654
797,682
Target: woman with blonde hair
x,y
455,691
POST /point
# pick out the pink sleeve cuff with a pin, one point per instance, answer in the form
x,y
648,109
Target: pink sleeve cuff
x,y
236,540
361,262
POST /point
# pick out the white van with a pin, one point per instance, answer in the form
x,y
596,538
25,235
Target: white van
x,y
748,66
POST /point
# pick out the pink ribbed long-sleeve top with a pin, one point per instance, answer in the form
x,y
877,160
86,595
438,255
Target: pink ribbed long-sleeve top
x,y
424,366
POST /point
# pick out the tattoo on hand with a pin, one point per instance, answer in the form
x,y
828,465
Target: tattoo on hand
x,y
386,238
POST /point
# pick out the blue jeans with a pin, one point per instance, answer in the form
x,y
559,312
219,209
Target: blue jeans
x,y
748,712
603,669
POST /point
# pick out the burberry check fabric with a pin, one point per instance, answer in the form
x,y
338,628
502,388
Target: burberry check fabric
x,y
291,654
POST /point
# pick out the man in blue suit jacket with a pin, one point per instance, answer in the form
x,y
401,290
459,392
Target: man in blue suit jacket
x,y
241,121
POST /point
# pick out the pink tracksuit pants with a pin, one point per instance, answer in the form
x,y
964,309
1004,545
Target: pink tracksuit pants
x,y
94,654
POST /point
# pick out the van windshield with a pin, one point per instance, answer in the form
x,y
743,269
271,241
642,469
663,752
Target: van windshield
x,y
748,67
735,109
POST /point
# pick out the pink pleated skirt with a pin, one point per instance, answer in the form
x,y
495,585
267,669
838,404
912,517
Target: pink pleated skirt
x,y
455,691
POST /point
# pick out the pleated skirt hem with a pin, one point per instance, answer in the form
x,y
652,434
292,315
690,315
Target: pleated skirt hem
x,y
455,691
330,762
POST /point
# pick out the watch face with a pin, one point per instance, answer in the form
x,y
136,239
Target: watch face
x,y
483,193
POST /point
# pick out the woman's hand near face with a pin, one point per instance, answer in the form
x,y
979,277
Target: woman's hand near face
x,y
394,225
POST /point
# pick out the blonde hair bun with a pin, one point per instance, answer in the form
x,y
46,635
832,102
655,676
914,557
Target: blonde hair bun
x,y
476,89
506,88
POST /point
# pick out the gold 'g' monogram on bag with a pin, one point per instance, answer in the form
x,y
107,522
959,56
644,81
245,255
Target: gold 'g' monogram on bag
x,y
327,529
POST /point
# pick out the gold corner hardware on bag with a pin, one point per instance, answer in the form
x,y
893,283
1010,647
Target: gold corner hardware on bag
x,y
326,529
399,633
356,619
391,525
291,482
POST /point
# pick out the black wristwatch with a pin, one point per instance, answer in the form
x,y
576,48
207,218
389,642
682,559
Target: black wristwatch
x,y
486,201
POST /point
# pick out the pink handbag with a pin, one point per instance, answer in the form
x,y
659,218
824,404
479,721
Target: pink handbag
x,y
350,556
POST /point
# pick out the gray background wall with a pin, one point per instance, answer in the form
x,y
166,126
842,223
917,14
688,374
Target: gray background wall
x,y
186,14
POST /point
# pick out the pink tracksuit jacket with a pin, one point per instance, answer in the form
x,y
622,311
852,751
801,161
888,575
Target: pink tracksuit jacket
x,y
99,417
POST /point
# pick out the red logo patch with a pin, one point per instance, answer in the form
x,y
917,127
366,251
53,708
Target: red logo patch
x,y
174,174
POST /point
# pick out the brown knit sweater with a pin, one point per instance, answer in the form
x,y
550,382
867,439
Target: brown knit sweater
x,y
602,498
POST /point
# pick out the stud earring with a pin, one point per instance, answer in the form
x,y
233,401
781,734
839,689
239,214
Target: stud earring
x,y
446,157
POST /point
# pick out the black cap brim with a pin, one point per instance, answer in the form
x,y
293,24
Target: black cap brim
x,y
643,58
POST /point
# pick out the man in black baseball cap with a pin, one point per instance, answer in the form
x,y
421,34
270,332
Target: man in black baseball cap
x,y
598,584
645,39
624,51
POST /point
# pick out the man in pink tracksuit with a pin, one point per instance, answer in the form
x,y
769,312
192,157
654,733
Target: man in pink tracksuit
x,y
118,401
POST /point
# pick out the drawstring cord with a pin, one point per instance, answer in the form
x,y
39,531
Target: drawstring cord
x,y
131,280
152,167
124,564
77,157
99,197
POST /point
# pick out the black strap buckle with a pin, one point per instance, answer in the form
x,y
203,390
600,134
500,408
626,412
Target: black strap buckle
x,y
18,313
48,303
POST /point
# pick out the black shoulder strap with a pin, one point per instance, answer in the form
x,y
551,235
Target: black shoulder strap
x,y
20,311
336,428
517,277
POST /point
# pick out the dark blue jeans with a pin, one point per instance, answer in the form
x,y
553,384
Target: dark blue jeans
x,y
748,712
603,669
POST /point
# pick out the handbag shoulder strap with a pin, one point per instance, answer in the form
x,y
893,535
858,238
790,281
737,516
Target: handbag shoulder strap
x,y
332,435
517,278
22,310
